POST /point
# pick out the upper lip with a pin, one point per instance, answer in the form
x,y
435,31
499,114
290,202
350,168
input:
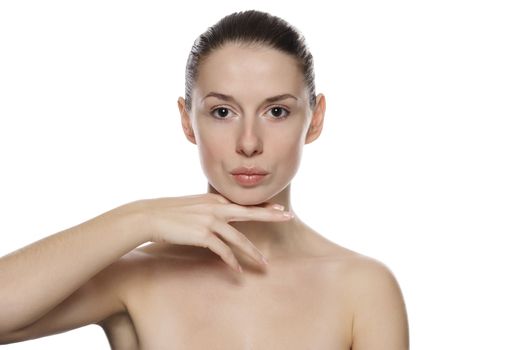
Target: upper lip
x,y
249,171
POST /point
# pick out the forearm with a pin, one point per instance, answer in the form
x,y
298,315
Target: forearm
x,y
37,277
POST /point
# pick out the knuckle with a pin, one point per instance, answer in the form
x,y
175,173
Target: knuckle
x,y
225,211
206,237
211,221
223,200
207,212
214,208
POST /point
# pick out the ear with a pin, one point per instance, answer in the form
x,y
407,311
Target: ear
x,y
317,119
186,121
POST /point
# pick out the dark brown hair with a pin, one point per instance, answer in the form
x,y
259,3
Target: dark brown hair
x,y
249,28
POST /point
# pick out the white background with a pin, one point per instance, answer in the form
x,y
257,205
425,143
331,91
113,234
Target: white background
x,y
416,165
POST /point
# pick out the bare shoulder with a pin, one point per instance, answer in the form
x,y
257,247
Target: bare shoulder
x,y
363,275
365,270
374,295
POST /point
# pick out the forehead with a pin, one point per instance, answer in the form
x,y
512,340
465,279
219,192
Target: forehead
x,y
254,71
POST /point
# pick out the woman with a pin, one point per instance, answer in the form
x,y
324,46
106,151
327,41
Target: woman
x,y
250,107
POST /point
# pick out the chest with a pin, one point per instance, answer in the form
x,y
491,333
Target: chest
x,y
211,309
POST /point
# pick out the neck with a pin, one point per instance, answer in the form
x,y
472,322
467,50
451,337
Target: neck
x,y
272,238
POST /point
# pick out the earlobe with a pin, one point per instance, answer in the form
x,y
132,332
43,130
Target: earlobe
x,y
186,121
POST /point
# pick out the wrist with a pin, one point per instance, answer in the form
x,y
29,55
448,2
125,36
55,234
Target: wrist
x,y
133,221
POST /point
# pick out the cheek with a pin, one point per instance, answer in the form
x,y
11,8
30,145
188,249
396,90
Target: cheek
x,y
212,148
283,145
287,148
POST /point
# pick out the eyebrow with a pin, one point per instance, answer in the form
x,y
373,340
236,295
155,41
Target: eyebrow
x,y
232,99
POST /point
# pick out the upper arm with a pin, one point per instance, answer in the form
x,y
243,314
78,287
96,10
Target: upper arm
x,y
94,301
380,319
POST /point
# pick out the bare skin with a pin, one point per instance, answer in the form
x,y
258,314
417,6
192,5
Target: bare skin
x,y
296,302
184,290
305,301
120,332
172,295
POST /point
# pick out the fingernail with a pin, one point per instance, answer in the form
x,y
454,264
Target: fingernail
x,y
278,206
288,214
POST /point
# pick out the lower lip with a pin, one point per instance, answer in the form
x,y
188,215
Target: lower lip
x,y
248,180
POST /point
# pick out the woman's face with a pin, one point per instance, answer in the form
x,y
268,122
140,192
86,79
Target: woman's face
x,y
245,129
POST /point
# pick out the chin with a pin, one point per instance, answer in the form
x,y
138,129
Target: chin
x,y
247,196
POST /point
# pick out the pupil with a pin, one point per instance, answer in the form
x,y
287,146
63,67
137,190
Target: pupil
x,y
223,109
277,109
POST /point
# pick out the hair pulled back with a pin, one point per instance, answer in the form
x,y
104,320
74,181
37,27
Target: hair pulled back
x,y
251,27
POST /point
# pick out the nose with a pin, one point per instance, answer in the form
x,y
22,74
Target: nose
x,y
249,141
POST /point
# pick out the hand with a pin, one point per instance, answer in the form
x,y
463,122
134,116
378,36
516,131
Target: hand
x,y
199,219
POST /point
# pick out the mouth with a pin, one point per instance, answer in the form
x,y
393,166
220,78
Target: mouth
x,y
249,176
249,180
249,171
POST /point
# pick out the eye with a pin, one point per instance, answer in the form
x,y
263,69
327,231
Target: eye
x,y
277,112
225,112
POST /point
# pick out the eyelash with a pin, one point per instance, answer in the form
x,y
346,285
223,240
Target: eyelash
x,y
277,118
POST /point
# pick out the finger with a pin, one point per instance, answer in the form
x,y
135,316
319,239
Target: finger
x,y
230,234
235,212
276,206
272,205
193,199
220,248
266,205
